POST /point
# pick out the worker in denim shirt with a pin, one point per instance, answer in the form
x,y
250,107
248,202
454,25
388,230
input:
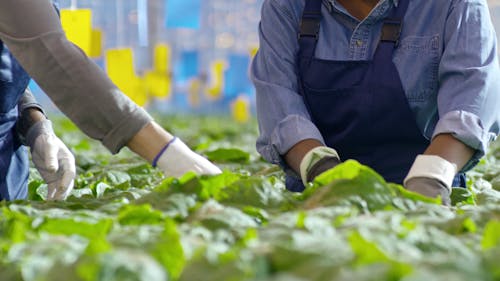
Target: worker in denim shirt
x,y
407,87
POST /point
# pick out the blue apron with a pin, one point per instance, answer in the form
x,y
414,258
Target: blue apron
x,y
360,107
14,163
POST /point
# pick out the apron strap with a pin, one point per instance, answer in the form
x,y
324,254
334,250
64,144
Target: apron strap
x,y
400,11
311,21
393,24
391,32
309,28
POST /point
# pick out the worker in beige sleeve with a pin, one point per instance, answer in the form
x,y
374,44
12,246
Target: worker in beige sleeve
x,y
81,90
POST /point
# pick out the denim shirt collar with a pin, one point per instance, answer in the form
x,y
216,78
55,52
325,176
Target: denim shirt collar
x,y
379,11
395,2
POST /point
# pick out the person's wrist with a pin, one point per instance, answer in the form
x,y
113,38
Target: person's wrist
x,y
178,159
26,120
41,127
162,151
321,166
433,167
174,155
316,161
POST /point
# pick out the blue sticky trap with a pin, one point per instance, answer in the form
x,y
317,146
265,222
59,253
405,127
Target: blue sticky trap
x,y
41,97
186,67
183,14
236,79
142,11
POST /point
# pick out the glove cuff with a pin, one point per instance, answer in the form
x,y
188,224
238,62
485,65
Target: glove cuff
x,y
40,127
434,167
162,151
173,153
314,156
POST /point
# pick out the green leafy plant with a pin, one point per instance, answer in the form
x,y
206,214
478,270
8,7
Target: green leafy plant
x,y
125,221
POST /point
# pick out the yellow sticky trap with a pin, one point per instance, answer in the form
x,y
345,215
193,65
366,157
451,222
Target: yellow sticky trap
x,y
240,109
253,51
77,24
162,58
120,68
158,84
139,89
194,90
96,43
216,84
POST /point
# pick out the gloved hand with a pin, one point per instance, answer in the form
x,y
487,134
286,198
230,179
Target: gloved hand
x,y
176,159
431,176
52,159
317,161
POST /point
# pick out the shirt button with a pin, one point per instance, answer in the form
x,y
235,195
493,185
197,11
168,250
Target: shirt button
x,y
359,43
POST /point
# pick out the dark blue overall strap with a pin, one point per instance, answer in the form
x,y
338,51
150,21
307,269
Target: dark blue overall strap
x,y
393,24
309,28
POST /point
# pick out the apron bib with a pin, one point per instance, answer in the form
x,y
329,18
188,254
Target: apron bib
x,y
360,107
14,163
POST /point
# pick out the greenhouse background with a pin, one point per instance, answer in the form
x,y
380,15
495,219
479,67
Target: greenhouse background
x,y
125,220
174,56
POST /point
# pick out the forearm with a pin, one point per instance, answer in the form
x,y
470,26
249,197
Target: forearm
x,y
29,117
432,176
149,141
448,147
29,113
169,154
468,99
286,130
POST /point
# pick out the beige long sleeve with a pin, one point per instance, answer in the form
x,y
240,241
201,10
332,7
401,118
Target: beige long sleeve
x,y
78,87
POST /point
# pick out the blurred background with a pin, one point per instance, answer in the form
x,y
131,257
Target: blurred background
x,y
175,56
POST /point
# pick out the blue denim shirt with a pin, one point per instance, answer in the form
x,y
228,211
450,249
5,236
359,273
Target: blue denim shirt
x,y
447,61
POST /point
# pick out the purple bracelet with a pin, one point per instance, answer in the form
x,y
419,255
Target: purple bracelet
x,y
155,161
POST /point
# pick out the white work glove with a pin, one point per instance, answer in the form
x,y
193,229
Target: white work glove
x,y
431,176
176,159
52,159
317,161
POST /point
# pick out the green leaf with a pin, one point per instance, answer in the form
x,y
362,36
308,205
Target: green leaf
x,y
117,177
256,192
213,186
69,226
101,188
491,236
139,214
14,225
228,155
414,196
10,272
368,253
261,215
216,216
349,169
462,195
350,183
34,191
205,187
140,169
168,251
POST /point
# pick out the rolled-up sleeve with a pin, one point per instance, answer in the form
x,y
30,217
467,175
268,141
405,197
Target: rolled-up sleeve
x,y
469,76
281,112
